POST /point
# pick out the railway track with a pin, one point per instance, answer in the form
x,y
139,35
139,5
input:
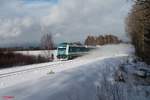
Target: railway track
x,y
29,69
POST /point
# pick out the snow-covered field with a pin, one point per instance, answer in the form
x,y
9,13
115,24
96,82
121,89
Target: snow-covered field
x,y
76,79
42,53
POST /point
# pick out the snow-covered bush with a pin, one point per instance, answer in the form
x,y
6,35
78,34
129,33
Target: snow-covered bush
x,y
51,72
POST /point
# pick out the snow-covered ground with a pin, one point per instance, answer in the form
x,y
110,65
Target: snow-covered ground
x,y
66,80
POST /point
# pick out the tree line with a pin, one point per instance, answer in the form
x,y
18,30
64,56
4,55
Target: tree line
x,y
101,40
138,28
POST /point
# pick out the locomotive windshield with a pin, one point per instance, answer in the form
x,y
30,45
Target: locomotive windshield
x,y
61,51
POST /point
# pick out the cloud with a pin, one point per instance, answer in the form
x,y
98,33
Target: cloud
x,y
13,27
67,20
79,18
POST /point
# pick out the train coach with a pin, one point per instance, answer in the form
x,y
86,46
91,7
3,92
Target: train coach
x,y
71,50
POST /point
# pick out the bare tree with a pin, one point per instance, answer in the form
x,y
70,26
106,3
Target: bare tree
x,y
47,44
102,40
138,27
90,40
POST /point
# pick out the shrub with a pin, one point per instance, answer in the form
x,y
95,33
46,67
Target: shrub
x,y
10,59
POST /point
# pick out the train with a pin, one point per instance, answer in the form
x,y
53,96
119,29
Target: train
x,y
69,51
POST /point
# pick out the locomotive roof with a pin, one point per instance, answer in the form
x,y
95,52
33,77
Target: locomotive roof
x,y
71,44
